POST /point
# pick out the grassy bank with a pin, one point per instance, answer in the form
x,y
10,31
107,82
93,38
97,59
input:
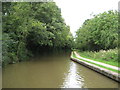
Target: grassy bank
x,y
74,56
108,57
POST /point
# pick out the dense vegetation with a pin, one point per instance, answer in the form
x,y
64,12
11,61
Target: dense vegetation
x,y
100,32
30,26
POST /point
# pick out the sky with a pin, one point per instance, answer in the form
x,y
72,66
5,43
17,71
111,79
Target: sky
x,y
75,12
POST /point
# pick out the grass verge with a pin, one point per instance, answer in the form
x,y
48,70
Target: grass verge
x,y
108,57
73,55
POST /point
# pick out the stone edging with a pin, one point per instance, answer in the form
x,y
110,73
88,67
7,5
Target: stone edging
x,y
113,75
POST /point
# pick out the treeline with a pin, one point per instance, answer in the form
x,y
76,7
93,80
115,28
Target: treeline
x,y
31,26
100,32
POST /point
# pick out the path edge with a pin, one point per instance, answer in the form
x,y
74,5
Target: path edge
x,y
105,72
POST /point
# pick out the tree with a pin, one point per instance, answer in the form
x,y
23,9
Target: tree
x,y
29,25
100,32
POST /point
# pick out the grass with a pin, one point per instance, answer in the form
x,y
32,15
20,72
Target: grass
x,y
96,64
109,57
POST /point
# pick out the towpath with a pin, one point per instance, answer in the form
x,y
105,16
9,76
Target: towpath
x,y
100,63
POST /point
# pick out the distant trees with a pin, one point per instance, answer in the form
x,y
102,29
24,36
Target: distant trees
x,y
100,32
29,25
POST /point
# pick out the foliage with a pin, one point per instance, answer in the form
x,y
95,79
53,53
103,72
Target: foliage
x,y
106,56
28,26
100,32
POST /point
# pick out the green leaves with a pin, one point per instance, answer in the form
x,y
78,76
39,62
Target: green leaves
x,y
32,25
99,32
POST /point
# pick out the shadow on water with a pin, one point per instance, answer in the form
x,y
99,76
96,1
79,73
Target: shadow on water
x,y
51,53
53,69
46,69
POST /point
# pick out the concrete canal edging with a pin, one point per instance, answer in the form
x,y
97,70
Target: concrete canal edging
x,y
113,75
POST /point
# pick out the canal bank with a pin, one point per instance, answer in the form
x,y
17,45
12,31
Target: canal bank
x,y
98,68
53,70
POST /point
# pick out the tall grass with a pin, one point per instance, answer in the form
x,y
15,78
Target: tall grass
x,y
105,56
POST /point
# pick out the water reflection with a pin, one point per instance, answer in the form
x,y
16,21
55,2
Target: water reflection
x,y
73,78
53,71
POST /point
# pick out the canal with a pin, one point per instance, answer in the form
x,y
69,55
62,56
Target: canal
x,y
53,70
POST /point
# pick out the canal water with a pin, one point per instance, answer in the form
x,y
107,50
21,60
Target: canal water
x,y
53,70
